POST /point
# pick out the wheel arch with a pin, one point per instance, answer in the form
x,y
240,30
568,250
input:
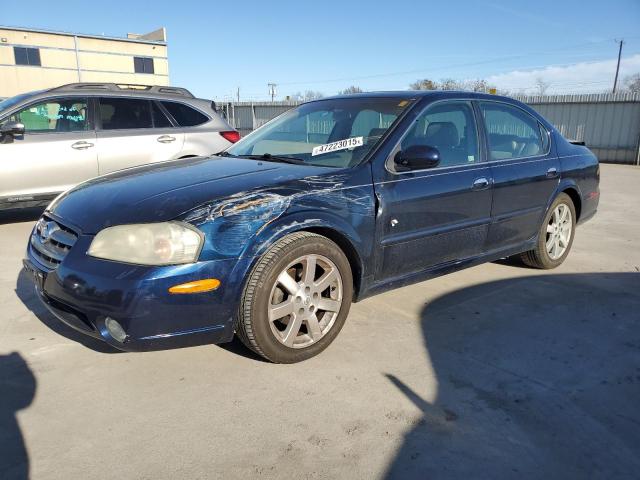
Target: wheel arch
x,y
569,187
332,227
574,195
347,248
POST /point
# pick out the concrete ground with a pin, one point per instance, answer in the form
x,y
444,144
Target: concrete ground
x,y
494,372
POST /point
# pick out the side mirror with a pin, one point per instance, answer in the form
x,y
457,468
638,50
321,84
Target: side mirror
x,y
12,128
418,157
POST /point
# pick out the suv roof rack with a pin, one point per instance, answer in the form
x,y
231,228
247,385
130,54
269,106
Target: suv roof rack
x,y
130,87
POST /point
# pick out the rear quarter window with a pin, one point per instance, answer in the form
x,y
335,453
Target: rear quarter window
x,y
184,115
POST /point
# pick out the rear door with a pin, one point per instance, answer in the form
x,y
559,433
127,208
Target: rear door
x,y
525,172
439,215
201,134
57,151
134,131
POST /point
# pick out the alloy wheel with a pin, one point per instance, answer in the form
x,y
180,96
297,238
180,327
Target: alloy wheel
x,y
559,231
305,301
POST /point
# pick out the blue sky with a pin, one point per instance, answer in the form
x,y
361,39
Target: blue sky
x,y
215,47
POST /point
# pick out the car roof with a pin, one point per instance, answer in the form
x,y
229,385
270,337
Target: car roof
x,y
156,92
420,94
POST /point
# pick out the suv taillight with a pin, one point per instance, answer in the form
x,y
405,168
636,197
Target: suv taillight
x,y
231,135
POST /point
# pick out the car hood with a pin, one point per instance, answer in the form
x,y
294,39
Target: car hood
x,y
163,191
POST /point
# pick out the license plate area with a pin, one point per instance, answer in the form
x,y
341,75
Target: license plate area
x,y
37,276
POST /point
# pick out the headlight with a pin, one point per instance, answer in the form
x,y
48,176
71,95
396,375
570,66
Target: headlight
x,y
167,243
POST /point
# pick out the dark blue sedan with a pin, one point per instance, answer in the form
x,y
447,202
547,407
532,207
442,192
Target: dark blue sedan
x,y
331,202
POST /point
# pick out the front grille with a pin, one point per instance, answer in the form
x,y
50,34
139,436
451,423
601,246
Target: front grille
x,y
51,241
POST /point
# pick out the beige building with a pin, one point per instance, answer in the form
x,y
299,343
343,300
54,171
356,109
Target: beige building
x,y
33,59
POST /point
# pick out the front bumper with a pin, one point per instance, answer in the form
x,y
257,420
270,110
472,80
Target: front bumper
x,y
83,291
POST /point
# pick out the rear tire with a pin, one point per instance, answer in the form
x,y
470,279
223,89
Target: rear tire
x,y
296,299
555,237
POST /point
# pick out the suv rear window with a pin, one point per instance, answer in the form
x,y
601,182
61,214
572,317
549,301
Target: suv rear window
x,y
123,113
184,115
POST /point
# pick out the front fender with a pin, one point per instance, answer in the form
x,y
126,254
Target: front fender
x,y
360,242
359,236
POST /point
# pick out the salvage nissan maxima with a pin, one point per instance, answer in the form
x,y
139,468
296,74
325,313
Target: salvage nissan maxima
x,y
331,202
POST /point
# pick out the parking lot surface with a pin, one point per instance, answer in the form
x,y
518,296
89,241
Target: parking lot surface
x,y
498,371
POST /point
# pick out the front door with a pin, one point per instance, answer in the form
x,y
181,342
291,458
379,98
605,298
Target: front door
x,y
57,151
132,132
439,215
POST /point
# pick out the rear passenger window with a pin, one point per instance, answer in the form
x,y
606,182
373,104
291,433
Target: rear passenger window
x,y
125,113
160,120
512,133
185,116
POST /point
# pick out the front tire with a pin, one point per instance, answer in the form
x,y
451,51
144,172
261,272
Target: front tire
x,y
296,299
555,237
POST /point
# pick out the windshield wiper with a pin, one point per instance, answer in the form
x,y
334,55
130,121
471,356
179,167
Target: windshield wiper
x,y
276,158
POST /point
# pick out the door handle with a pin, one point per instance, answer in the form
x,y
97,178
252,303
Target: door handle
x,y
82,145
481,183
552,172
166,139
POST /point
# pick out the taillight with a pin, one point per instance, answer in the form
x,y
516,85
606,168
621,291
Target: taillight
x,y
231,136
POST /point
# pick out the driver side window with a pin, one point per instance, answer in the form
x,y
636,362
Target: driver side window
x,y
59,115
450,128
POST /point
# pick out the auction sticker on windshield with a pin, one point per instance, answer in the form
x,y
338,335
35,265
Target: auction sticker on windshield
x,y
339,145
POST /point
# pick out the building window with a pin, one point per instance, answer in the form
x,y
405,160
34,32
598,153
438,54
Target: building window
x,y
27,56
143,65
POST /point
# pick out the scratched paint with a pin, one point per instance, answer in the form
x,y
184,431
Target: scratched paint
x,y
231,223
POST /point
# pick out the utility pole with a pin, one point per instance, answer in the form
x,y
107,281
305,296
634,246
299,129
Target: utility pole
x,y
615,81
272,90
238,94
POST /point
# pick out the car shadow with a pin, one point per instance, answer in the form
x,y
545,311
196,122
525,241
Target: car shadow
x,y
236,347
17,390
20,215
537,377
25,291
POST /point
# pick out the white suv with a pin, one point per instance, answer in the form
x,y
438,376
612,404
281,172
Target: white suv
x,y
51,140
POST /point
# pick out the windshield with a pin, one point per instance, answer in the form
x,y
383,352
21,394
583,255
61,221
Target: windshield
x,y
331,133
7,103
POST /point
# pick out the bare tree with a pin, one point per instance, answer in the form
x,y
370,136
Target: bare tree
x,y
478,85
312,95
632,82
424,84
450,84
541,86
351,89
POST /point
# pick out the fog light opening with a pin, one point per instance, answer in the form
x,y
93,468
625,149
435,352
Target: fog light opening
x,y
115,329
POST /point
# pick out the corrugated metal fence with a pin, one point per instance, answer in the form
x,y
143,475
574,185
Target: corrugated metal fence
x,y
609,124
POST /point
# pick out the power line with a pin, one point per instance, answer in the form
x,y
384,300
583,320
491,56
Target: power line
x,y
457,65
